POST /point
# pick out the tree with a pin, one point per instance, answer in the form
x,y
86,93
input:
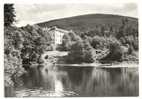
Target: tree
x,y
9,14
81,51
66,43
124,29
76,53
115,51
88,52
98,42
35,43
72,36
68,40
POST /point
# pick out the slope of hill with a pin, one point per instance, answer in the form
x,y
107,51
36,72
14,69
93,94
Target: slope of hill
x,y
84,23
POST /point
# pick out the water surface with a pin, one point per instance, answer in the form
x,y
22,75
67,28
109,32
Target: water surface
x,y
70,81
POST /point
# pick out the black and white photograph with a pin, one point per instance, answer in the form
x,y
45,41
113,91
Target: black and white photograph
x,y
71,49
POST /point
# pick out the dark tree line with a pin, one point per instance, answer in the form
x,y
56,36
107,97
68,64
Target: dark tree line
x,y
9,14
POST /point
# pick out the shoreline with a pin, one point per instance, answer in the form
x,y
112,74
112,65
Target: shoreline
x,y
111,65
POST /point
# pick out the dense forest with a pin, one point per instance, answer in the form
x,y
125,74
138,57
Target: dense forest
x,y
92,22
23,48
118,34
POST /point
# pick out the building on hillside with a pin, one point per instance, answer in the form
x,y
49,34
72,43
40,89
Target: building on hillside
x,y
56,35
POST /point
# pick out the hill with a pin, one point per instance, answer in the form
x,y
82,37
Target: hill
x,y
87,22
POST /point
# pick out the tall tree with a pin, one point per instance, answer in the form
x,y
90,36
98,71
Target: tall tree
x,y
81,51
9,14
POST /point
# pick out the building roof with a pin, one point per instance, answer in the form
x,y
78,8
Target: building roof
x,y
59,29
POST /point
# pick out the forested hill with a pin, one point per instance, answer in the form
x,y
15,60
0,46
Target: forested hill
x,y
85,23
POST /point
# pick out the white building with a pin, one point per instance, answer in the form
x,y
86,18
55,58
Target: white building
x,y
57,35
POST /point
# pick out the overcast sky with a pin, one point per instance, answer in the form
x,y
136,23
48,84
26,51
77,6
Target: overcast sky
x,y
35,13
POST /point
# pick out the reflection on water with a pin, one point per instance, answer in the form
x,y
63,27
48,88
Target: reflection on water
x,y
40,92
80,81
89,81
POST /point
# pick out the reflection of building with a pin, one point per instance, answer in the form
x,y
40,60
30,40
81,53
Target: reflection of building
x,y
57,35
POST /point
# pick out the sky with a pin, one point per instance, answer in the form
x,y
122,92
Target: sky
x,y
36,13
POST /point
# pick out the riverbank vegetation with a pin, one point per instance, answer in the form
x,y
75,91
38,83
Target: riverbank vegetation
x,y
122,45
23,47
100,30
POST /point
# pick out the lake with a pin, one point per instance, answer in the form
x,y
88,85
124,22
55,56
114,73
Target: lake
x,y
79,81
